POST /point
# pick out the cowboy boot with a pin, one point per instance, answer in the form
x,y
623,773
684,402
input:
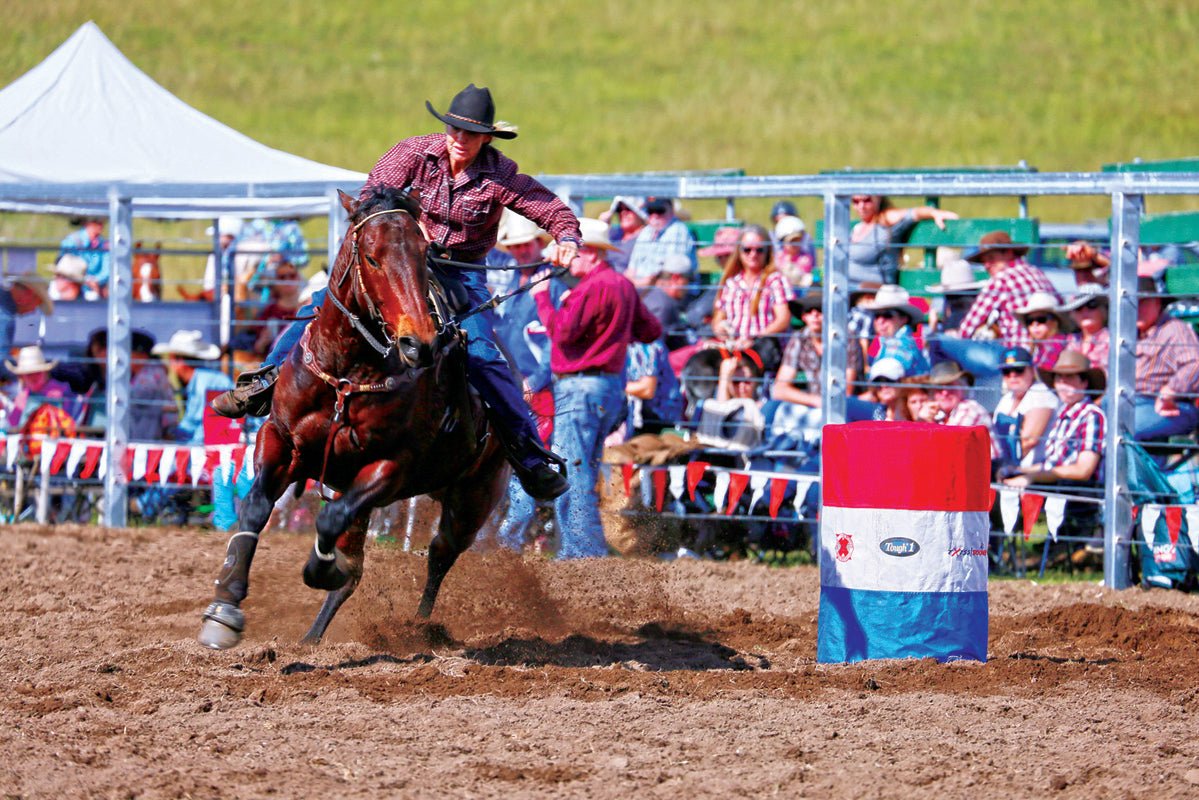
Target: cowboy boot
x,y
534,468
252,394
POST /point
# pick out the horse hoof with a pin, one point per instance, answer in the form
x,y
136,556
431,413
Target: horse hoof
x,y
222,627
328,576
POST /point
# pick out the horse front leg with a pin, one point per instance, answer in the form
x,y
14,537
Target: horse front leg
x,y
328,567
352,544
224,620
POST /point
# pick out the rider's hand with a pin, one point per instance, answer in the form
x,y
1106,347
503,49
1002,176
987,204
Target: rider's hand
x,y
564,253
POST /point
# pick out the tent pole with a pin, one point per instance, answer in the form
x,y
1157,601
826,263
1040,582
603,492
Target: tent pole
x,y
120,300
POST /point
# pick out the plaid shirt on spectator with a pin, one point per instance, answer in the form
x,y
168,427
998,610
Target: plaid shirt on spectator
x,y
736,297
463,213
999,299
969,413
1095,350
801,354
1167,355
1076,429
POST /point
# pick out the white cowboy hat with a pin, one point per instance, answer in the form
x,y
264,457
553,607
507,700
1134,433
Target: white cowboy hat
x,y
634,204
1044,302
228,226
957,277
595,234
71,267
1086,293
890,296
39,286
519,230
189,344
29,360
789,227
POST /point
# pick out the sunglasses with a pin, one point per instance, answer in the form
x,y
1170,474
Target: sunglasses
x,y
857,201
887,315
1039,320
1006,371
1091,305
754,249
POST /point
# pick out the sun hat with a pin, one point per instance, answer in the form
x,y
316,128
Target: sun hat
x,y
29,361
890,296
595,234
724,242
1086,293
472,109
676,264
957,277
189,344
1044,302
39,286
634,204
520,230
1072,362
783,207
1015,357
887,368
228,226
71,267
789,227
949,373
995,240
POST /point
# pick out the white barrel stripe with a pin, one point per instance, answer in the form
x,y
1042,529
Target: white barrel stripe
x,y
902,550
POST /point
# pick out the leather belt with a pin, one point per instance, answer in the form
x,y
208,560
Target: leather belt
x,y
584,373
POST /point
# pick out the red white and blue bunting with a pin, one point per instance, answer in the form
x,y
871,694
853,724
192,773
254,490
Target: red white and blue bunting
x,y
151,462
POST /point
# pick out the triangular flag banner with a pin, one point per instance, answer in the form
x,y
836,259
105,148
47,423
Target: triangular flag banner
x,y
140,456
212,460
1030,505
695,473
182,458
737,483
226,453
802,485
626,474
1193,526
78,450
153,459
127,463
61,452
778,491
239,456
198,459
720,490
678,479
91,461
659,478
11,445
757,483
1149,515
102,470
1009,508
1173,522
1055,512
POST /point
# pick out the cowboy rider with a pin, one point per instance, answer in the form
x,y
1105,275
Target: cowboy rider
x,y
462,184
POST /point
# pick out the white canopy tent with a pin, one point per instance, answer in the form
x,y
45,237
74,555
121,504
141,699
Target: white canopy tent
x,y
87,115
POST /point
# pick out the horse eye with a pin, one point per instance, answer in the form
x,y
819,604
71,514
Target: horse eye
x,y
372,262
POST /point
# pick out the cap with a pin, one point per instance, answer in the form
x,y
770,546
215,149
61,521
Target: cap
x,y
1015,357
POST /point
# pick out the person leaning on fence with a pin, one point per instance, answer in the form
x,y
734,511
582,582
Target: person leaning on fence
x,y
626,218
752,304
1047,326
1167,370
663,234
462,184
590,331
36,388
188,360
20,295
1024,411
895,319
949,385
89,244
874,240
1088,310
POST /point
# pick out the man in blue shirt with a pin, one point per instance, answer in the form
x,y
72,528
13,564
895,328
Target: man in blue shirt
x,y
89,244
186,354
662,235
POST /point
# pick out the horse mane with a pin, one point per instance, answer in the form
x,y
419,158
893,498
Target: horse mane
x,y
387,198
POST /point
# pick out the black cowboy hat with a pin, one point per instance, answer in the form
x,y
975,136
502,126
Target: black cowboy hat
x,y
473,110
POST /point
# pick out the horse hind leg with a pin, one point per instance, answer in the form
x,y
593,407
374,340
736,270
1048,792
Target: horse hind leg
x,y
352,544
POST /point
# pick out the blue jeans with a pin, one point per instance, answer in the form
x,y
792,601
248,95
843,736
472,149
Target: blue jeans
x,y
1148,425
486,368
586,409
511,533
980,359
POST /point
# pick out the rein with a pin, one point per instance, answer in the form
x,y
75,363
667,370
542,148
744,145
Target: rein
x,y
495,301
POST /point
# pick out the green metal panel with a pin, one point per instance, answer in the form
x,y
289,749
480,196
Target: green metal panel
x,y
1170,228
963,233
1170,165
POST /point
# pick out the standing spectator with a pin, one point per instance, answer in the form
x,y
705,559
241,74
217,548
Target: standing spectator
x,y
24,294
1047,326
895,318
629,216
1167,370
229,228
154,412
1024,410
874,241
663,234
796,254
654,397
590,331
35,387
1088,309
187,359
89,243
752,307
87,377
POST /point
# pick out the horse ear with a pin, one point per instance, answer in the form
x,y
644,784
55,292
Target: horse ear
x,y
347,202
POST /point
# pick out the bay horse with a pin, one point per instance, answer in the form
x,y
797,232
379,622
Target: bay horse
x,y
147,275
373,403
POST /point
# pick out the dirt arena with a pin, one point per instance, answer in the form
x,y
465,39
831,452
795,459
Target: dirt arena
x,y
620,678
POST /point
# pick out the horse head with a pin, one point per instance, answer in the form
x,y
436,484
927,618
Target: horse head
x,y
383,275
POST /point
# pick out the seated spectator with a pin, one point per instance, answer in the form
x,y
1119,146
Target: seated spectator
x,y
796,253
780,209
1024,410
752,304
20,295
89,244
35,388
734,419
895,318
69,273
1013,281
1167,370
281,311
666,289
1088,309
918,401
1047,326
154,414
629,217
1089,263
884,388
949,384
874,239
188,358
663,234
798,377
655,400
861,321
959,288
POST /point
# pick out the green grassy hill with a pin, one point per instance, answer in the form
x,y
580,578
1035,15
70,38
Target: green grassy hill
x,y
773,87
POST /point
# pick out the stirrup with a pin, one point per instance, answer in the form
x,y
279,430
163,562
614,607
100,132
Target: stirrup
x,y
251,396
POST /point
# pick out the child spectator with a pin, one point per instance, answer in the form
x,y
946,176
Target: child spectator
x,y
797,255
35,387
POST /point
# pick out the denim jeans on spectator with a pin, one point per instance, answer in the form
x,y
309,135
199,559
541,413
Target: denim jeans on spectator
x,y
586,409
979,358
511,532
1149,426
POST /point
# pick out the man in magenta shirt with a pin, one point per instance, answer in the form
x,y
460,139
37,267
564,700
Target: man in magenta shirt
x,y
590,332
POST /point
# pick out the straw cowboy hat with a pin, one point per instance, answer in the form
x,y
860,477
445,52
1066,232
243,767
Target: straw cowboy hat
x,y
995,240
39,286
789,227
1044,303
1072,362
71,267
890,296
520,230
29,360
188,344
1086,293
595,234
949,373
472,109
957,277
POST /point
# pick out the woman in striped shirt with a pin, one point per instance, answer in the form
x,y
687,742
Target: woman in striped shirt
x,y
751,308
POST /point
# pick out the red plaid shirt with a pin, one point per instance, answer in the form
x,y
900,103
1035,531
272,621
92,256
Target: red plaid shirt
x,y
463,213
1075,429
736,300
999,299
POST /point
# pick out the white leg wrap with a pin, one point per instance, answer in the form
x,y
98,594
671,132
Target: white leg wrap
x,y
243,533
316,548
